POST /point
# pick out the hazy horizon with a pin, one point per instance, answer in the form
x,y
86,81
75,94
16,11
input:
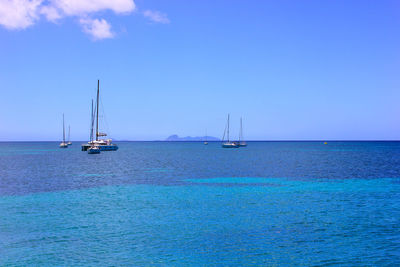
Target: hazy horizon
x,y
182,141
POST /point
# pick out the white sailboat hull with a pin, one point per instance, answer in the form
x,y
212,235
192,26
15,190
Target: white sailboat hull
x,y
230,145
63,145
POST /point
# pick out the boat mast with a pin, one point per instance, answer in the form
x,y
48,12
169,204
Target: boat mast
x,y
241,130
69,132
228,128
63,130
91,123
97,110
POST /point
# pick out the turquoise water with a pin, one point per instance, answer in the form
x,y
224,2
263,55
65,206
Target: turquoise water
x,y
152,203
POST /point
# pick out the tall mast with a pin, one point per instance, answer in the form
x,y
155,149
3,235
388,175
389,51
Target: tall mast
x,y
228,128
69,132
91,123
97,110
63,130
241,130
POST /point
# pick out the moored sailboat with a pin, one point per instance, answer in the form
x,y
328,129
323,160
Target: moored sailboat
x,y
69,133
241,141
93,149
63,144
102,144
228,143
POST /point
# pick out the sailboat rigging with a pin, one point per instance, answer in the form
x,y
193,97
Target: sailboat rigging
x,y
241,141
69,134
93,149
63,144
228,143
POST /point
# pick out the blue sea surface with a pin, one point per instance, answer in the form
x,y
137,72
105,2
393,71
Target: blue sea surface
x,y
174,204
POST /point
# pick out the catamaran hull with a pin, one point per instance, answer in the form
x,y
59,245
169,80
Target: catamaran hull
x,y
85,147
93,151
108,148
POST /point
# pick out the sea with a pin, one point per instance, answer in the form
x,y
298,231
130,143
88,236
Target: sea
x,y
190,204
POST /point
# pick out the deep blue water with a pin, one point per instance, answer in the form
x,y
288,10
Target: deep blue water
x,y
157,203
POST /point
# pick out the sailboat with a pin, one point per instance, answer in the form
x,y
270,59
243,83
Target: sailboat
x,y
69,132
103,144
228,143
63,144
205,141
93,149
241,142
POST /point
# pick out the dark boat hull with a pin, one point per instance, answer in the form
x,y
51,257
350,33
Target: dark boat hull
x,y
93,151
85,147
108,148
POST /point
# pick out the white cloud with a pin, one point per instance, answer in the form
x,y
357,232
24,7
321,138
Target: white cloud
x,y
98,29
84,7
156,16
18,14
51,13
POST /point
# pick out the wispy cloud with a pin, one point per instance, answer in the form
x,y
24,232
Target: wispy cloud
x,y
51,13
21,14
84,7
156,16
98,29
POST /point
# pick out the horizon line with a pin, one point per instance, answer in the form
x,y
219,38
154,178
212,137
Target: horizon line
x,y
216,141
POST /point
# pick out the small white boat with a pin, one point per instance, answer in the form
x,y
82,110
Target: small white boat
x,y
63,143
230,145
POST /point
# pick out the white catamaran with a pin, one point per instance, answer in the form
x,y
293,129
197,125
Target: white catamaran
x,y
102,144
228,143
63,143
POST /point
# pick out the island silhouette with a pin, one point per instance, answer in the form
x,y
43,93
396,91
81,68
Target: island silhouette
x,y
175,137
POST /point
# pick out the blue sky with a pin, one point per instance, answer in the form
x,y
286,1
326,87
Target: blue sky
x,y
298,70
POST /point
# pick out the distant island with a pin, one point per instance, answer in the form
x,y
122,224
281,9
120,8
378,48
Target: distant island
x,y
191,138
